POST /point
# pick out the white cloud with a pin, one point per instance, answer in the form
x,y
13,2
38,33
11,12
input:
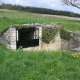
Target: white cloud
x,y
52,4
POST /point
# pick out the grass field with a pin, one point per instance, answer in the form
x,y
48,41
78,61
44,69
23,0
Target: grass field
x,y
17,17
41,65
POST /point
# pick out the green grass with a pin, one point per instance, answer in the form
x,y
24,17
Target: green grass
x,y
8,18
41,65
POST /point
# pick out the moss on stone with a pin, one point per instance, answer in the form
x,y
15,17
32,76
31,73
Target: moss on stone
x,y
48,34
65,34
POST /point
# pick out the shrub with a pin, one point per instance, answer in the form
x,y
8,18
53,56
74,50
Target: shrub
x,y
48,34
65,34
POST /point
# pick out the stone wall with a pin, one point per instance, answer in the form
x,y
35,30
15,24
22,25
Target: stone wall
x,y
73,44
8,38
56,45
13,37
5,37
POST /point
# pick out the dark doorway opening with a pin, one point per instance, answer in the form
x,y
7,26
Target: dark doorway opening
x,y
28,37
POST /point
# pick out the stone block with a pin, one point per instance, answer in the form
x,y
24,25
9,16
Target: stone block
x,y
78,39
13,43
13,47
76,49
13,34
13,38
75,38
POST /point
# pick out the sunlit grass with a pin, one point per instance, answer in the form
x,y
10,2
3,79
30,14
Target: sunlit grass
x,y
40,65
18,17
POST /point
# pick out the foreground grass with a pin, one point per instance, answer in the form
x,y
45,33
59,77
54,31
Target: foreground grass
x,y
41,65
17,17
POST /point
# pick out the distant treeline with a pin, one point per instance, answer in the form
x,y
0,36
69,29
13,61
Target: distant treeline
x,y
38,10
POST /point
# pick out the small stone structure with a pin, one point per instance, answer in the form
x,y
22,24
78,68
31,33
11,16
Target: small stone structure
x,y
30,38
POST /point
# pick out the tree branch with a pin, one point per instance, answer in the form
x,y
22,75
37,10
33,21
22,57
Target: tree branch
x,y
75,3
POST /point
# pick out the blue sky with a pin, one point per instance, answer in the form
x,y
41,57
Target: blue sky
x,y
51,4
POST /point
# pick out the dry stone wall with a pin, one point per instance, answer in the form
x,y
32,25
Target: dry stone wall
x,y
8,38
73,44
5,38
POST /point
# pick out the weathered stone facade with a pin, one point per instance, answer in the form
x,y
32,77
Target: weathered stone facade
x,y
73,44
10,37
56,45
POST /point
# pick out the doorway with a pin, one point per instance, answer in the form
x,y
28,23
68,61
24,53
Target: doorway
x,y
28,37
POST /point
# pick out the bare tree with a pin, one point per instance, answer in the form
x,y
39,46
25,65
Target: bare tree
x,y
75,3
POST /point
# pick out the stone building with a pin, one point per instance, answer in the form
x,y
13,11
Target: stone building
x,y
29,37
